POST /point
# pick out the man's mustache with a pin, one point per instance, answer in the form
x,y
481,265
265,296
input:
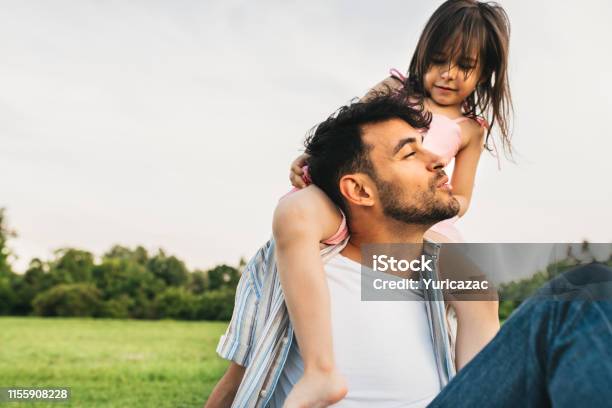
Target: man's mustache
x,y
433,184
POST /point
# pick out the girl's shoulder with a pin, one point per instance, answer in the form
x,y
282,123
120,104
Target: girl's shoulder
x,y
473,129
477,122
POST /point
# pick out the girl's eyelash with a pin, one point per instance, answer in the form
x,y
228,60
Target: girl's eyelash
x,y
466,66
409,154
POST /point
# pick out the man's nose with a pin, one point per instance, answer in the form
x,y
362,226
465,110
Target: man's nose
x,y
435,162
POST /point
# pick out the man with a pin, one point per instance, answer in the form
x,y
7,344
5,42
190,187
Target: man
x,y
395,353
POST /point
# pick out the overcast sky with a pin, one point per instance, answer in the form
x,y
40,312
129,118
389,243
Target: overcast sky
x,y
173,123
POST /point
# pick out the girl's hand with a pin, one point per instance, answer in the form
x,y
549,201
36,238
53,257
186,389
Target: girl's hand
x,y
296,172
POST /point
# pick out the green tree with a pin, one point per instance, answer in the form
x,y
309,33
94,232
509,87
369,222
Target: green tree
x,y
37,275
118,308
175,303
138,255
198,282
71,266
215,305
223,276
8,279
168,268
79,299
123,278
35,280
8,297
5,253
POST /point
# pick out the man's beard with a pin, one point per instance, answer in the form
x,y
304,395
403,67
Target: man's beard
x,y
427,211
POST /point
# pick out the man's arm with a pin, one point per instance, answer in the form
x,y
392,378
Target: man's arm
x,y
224,392
235,345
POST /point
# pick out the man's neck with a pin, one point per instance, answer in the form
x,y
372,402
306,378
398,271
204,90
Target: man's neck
x,y
392,233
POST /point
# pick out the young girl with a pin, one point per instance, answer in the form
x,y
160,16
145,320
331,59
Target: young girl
x,y
460,68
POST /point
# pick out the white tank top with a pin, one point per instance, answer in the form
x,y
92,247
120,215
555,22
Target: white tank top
x,y
383,348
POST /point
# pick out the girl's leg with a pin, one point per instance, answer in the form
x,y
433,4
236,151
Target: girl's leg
x,y
306,295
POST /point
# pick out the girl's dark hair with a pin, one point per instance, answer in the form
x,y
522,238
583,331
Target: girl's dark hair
x,y
462,28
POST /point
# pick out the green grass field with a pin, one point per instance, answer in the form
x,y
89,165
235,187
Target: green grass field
x,y
112,363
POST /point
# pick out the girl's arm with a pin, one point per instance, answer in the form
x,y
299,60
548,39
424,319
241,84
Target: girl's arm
x,y
477,321
466,163
301,221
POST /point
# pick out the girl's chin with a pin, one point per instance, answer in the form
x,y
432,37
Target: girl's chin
x,y
443,100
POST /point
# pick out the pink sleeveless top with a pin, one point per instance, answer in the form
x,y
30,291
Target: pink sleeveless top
x,y
443,137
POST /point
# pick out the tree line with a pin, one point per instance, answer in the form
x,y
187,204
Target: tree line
x,y
123,283
131,283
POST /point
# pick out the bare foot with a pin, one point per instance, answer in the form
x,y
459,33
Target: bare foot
x,y
317,390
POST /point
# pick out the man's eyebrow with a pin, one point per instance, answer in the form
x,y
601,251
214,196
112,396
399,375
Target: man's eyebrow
x,y
402,143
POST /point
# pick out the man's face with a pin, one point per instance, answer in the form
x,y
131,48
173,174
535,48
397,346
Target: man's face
x,y
411,183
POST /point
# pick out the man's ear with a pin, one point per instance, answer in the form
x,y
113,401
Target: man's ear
x,y
357,189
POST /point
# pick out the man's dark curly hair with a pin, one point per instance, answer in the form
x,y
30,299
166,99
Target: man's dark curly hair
x,y
336,147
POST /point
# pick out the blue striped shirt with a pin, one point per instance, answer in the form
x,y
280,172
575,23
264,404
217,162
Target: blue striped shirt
x,y
259,335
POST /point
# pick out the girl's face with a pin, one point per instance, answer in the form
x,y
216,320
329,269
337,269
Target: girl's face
x,y
451,82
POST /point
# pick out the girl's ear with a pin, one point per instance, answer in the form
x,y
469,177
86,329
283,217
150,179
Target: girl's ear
x,y
357,189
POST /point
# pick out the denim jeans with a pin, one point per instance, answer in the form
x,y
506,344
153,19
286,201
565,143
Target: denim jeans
x,y
554,350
